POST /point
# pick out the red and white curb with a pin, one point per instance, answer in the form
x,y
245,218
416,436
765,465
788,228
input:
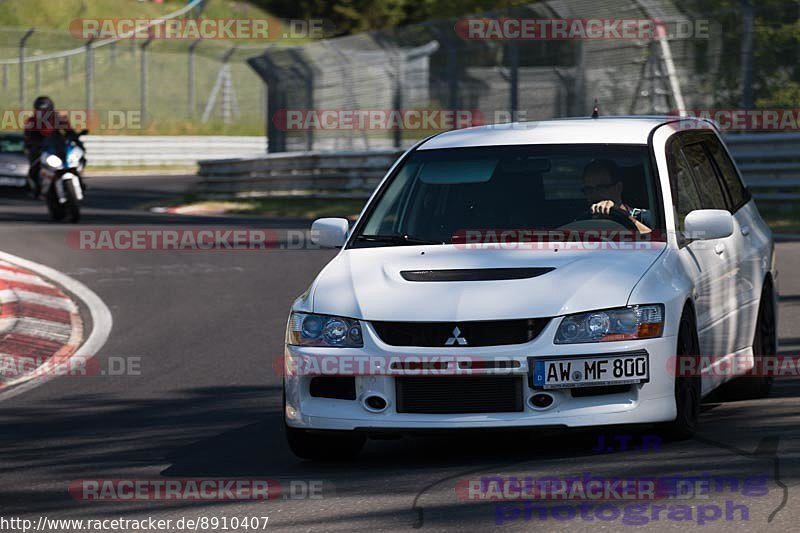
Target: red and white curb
x,y
40,325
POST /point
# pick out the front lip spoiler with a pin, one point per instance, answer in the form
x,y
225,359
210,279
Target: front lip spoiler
x,y
416,431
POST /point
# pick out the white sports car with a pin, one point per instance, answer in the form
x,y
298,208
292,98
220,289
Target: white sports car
x,y
578,272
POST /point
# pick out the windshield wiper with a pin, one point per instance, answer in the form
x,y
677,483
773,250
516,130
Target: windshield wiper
x,y
396,238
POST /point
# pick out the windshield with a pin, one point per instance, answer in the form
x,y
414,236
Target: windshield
x,y
12,145
437,195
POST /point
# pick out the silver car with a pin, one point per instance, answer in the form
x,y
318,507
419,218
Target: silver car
x,y
13,162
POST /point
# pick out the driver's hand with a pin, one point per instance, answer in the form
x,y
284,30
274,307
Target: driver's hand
x,y
603,207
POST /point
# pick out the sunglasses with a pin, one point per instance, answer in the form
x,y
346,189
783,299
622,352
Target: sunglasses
x,y
590,189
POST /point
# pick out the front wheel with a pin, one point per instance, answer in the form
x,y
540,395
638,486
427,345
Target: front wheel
x,y
72,206
687,388
54,207
764,345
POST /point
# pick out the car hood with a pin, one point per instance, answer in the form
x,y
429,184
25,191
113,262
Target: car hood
x,y
367,283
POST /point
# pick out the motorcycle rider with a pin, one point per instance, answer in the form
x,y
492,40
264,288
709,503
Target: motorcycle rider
x,y
38,128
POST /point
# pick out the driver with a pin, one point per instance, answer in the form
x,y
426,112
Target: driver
x,y
602,185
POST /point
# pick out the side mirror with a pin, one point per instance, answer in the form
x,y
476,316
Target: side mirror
x,y
330,232
708,224
83,132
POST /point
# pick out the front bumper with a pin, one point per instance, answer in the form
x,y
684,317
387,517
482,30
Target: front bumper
x,y
13,181
643,403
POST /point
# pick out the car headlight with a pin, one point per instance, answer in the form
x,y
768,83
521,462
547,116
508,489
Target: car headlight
x,y
53,161
307,329
625,323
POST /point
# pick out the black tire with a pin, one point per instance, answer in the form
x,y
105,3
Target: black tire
x,y
687,388
324,445
54,207
72,206
764,343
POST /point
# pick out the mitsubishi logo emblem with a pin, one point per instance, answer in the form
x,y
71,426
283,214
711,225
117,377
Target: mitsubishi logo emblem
x,y
456,338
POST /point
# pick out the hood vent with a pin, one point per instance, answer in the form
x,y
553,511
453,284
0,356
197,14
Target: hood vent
x,y
474,274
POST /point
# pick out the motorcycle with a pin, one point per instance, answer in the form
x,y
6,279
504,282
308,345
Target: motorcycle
x,y
62,162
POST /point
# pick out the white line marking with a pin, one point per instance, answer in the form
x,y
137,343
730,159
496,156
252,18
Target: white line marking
x,y
43,329
46,300
102,322
23,278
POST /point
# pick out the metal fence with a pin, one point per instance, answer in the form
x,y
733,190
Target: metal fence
x,y
431,66
770,164
175,86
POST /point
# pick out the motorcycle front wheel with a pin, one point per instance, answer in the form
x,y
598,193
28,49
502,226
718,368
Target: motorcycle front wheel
x,y
57,210
73,206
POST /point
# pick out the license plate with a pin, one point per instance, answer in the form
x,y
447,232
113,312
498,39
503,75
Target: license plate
x,y
590,371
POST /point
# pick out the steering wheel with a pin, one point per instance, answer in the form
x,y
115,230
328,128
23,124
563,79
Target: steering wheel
x,y
615,214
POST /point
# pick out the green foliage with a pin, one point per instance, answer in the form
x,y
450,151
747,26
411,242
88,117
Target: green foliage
x,y
354,16
776,50
57,14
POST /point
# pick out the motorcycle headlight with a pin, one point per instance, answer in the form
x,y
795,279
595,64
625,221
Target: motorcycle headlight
x,y
53,161
625,323
307,329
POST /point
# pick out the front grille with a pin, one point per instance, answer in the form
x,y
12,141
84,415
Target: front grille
x,y
459,394
438,334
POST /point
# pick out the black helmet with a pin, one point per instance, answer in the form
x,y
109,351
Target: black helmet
x,y
43,103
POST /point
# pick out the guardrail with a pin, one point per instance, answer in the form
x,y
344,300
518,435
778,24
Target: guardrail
x,y
308,174
770,164
149,150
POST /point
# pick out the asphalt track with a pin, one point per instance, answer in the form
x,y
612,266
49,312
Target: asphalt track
x,y
202,401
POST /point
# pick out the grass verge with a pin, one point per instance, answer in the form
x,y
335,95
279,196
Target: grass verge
x,y
298,208
782,221
308,208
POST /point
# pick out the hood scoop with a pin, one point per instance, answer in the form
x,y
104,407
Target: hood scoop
x,y
474,274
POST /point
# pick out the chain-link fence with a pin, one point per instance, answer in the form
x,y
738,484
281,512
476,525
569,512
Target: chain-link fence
x,y
181,86
136,85
434,67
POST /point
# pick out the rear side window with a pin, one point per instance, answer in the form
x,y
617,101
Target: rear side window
x,y
736,189
684,193
708,186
